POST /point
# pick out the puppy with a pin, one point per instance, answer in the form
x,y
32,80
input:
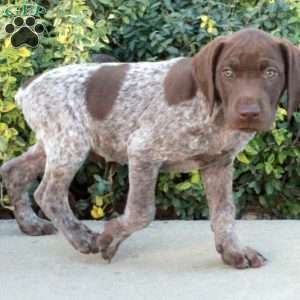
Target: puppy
x,y
180,114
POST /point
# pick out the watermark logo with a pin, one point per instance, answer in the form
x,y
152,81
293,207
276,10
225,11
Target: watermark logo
x,y
24,28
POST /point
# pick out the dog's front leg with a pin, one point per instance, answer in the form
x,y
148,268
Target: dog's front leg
x,y
140,207
218,186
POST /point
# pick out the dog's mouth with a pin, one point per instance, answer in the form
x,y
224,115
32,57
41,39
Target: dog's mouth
x,y
248,130
250,127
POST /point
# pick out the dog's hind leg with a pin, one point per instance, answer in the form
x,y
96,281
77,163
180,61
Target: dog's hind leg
x,y
64,158
17,175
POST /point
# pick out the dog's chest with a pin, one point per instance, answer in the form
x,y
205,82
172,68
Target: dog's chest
x,y
186,132
199,151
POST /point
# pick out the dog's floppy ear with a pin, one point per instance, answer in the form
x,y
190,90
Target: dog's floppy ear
x,y
292,73
204,68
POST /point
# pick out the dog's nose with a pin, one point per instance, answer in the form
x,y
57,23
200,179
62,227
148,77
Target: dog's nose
x,y
249,111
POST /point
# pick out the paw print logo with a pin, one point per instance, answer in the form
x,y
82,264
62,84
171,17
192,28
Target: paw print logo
x,y
24,32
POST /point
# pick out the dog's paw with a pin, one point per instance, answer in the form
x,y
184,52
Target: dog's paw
x,y
36,226
108,246
83,239
242,259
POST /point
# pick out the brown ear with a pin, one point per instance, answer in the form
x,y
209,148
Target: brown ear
x,y
292,69
204,68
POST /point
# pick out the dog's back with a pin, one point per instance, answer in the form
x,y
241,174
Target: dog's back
x,y
95,100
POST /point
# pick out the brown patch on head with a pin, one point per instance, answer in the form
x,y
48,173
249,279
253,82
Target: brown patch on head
x,y
103,88
28,81
179,83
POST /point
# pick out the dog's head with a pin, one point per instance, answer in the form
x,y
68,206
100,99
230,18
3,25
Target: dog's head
x,y
247,72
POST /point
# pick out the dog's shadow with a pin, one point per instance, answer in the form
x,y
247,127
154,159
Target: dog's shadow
x,y
152,254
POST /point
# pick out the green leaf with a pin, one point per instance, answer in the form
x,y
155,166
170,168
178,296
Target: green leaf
x,y
6,106
195,179
250,150
262,201
165,187
269,188
268,168
282,157
3,144
183,186
243,158
279,135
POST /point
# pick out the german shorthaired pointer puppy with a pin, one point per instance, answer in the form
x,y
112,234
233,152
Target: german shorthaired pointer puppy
x,y
180,114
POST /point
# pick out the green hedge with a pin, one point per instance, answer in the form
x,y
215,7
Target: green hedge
x,y
267,172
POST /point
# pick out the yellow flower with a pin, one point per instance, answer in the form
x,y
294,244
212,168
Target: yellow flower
x,y
94,214
24,52
210,29
97,212
204,18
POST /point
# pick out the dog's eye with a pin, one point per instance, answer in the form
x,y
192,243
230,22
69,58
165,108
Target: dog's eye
x,y
228,73
270,73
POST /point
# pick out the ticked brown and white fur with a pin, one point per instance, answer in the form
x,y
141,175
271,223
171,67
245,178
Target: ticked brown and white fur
x,y
156,116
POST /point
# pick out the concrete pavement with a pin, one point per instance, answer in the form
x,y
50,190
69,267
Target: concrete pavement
x,y
168,260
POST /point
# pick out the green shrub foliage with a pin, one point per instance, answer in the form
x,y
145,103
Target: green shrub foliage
x,y
267,172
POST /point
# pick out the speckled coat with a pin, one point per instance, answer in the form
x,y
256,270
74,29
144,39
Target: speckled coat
x,y
153,116
142,128
141,120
